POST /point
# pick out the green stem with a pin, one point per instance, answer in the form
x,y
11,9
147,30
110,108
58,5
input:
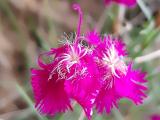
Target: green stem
x,y
29,101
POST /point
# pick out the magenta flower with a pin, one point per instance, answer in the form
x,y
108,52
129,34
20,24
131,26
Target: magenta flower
x,y
88,69
155,117
128,3
118,79
71,75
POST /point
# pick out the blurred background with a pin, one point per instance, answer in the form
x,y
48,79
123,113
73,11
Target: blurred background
x,y
28,27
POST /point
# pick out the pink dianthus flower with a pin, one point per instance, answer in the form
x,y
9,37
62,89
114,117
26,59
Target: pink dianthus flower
x,y
71,75
128,3
155,117
119,80
89,69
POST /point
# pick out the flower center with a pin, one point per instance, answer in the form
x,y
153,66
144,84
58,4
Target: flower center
x,y
114,62
69,59
74,57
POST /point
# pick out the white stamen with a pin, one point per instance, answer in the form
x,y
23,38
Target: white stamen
x,y
113,61
92,101
71,58
91,113
83,70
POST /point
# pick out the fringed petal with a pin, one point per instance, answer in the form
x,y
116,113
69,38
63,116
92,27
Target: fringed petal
x,y
107,99
131,85
50,95
93,38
